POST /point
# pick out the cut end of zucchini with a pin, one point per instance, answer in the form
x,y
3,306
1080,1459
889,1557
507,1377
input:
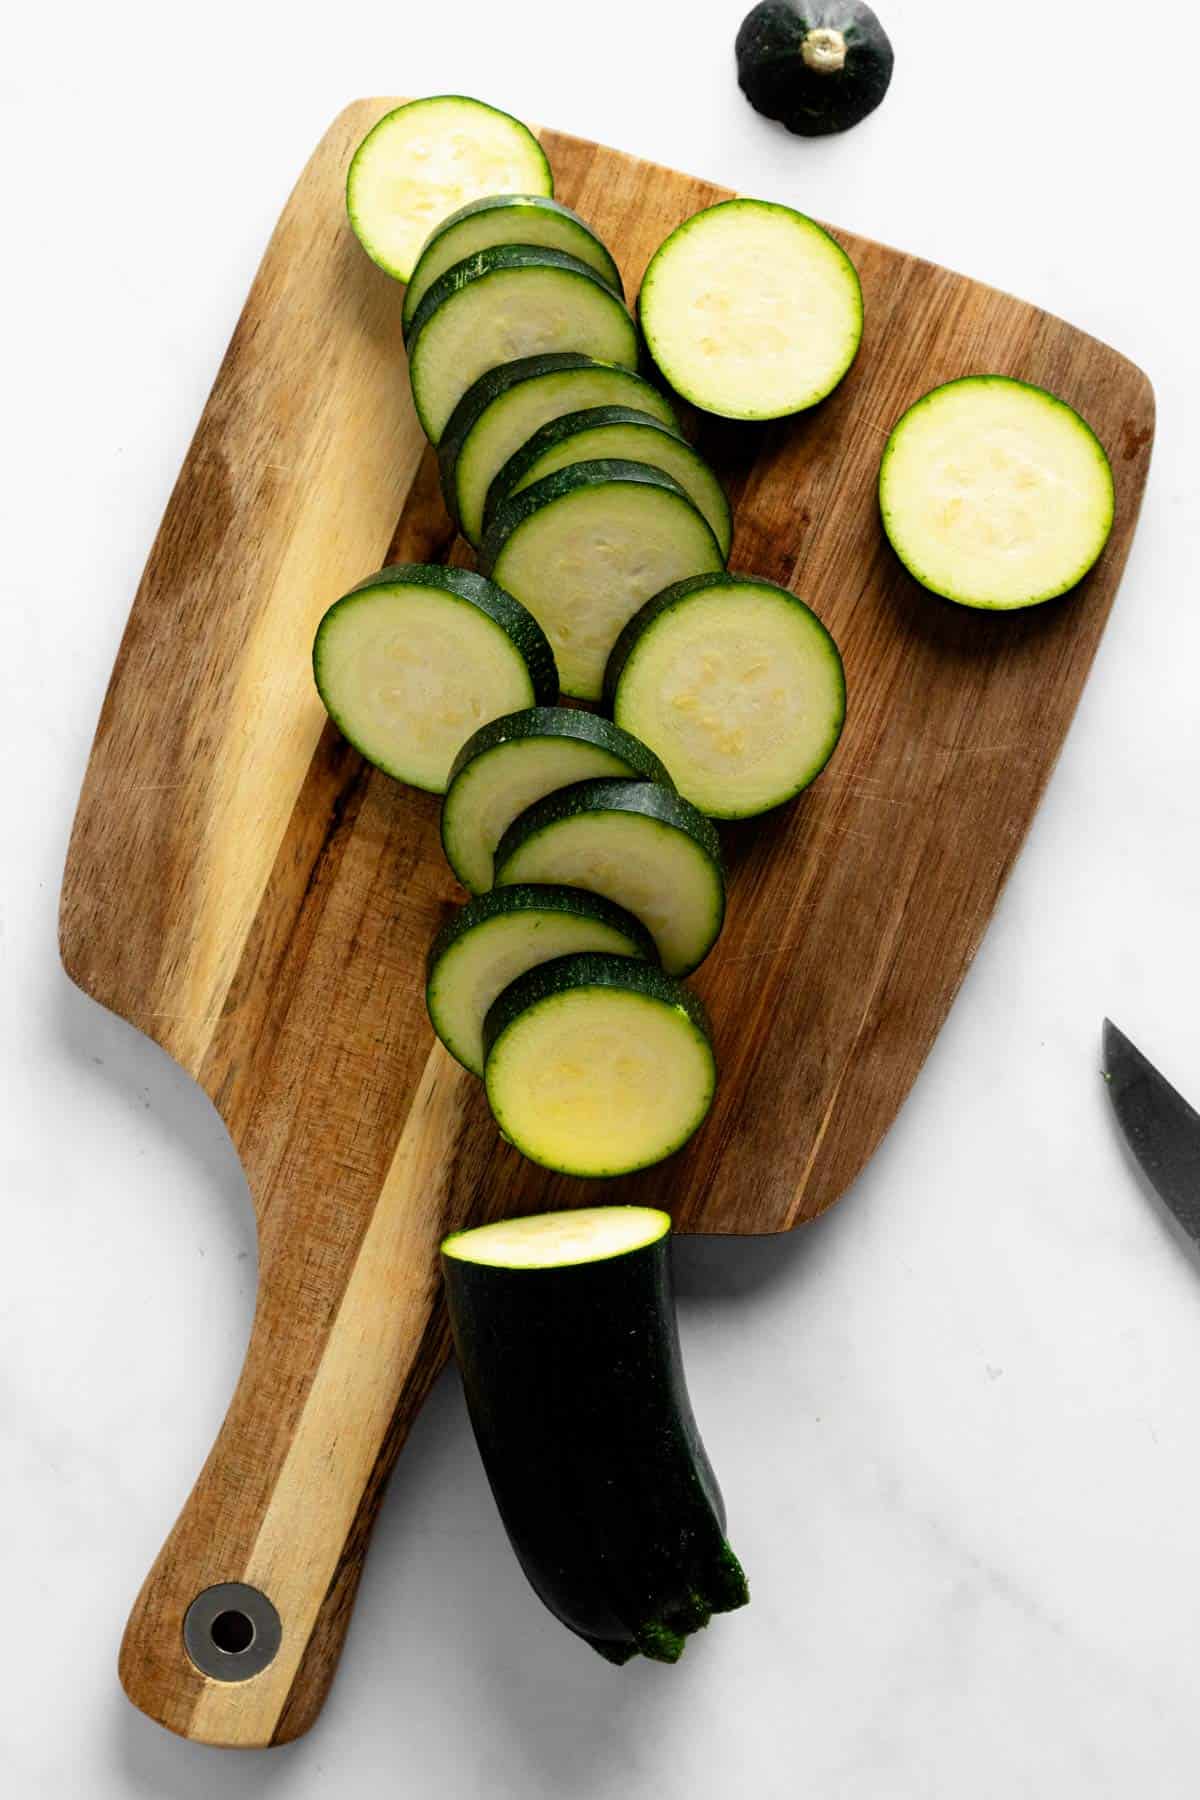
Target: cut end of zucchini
x,y
558,1239
427,159
737,685
751,310
415,659
995,493
598,1065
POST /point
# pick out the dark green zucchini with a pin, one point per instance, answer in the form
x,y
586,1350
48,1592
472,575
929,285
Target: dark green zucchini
x,y
564,1327
642,845
511,762
818,66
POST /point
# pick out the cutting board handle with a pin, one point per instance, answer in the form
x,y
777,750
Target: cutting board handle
x,y
236,1634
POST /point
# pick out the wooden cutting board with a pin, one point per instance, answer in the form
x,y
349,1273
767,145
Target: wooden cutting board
x,y
243,889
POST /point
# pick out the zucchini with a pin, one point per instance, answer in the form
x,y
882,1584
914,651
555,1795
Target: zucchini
x,y
423,160
818,66
508,764
506,219
615,431
495,937
738,687
565,1332
598,1065
585,547
751,310
413,659
995,493
509,301
508,404
642,845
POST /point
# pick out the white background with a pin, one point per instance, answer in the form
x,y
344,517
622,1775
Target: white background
x,y
956,1421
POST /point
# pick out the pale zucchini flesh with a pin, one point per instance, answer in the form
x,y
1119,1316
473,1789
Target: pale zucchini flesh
x,y
737,686
559,1240
751,310
501,305
617,431
598,1081
517,411
427,159
506,219
995,493
583,558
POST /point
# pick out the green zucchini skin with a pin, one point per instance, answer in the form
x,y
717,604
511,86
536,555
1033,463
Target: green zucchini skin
x,y
595,418
516,207
817,66
576,1391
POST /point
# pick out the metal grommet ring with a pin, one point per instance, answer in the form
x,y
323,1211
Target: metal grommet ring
x,y
231,1631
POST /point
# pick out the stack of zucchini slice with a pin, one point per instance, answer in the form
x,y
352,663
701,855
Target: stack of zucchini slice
x,y
586,843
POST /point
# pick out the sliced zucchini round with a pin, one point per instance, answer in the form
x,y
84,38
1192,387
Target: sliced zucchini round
x,y
497,936
415,658
642,845
507,765
507,405
995,493
506,302
751,310
559,1240
423,160
736,684
598,1065
506,219
615,431
585,547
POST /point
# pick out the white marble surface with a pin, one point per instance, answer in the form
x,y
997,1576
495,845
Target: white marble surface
x,y
956,1421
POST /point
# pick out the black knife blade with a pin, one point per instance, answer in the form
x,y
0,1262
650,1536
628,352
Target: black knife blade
x,y
1161,1129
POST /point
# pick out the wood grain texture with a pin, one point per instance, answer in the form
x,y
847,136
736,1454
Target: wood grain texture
x,y
244,890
